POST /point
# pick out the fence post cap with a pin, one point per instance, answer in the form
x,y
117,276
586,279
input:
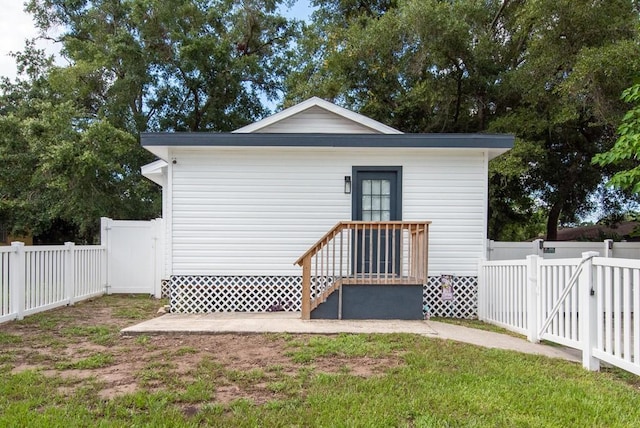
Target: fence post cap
x,y
17,244
589,254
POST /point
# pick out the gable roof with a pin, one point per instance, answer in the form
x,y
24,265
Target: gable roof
x,y
367,124
358,131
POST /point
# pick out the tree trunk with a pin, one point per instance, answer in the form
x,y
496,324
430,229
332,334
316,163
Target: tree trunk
x,y
552,221
458,98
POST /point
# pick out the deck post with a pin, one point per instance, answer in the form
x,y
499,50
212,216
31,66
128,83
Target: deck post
x,y
425,256
306,288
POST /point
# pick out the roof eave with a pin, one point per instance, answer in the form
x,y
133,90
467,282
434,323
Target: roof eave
x,y
153,141
494,153
156,172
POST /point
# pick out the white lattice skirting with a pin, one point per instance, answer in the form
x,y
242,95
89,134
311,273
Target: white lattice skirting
x,y
164,287
204,293
464,303
199,293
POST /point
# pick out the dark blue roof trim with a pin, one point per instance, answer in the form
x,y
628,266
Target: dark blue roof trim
x,y
204,139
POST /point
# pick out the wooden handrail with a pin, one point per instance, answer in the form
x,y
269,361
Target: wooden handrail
x,y
316,247
313,250
331,261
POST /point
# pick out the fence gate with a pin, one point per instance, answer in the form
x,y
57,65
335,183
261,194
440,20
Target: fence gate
x,y
559,301
134,251
590,304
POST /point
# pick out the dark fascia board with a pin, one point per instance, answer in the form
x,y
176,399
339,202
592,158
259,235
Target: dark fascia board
x,y
205,139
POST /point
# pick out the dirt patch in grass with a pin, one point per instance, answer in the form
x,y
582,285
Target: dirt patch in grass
x,y
82,345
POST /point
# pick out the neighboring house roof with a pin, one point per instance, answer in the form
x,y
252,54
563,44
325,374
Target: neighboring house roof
x,y
306,111
598,232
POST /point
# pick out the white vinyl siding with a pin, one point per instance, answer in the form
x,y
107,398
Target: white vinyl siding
x,y
254,211
316,120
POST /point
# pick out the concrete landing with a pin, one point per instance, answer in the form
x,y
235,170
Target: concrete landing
x,y
290,322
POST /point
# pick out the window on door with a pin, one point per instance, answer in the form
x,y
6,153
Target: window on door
x,y
377,194
376,200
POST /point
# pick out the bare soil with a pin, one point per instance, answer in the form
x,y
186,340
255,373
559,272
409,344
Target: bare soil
x,y
69,343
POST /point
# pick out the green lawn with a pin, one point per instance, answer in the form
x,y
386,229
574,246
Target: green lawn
x,y
343,380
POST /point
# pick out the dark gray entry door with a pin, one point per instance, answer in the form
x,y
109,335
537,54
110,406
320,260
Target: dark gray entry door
x,y
377,197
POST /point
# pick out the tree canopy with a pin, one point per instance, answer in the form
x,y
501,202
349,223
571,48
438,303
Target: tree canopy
x,y
195,65
626,151
133,66
65,168
548,71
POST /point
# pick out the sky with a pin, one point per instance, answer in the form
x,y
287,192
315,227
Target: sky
x,y
16,26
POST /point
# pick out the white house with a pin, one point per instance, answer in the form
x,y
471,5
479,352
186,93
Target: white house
x,y
241,208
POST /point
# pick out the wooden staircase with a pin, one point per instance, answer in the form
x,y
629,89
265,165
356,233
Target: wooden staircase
x,y
359,252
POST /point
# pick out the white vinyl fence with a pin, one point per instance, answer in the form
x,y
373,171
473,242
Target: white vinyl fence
x,y
591,304
37,278
502,294
499,250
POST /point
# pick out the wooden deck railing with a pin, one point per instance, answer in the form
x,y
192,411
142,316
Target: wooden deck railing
x,y
359,252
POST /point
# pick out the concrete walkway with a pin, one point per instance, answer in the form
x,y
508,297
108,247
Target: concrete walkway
x,y
290,322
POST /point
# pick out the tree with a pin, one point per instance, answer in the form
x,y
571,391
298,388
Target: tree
x,y
626,151
578,57
134,65
547,71
185,65
513,213
67,168
420,66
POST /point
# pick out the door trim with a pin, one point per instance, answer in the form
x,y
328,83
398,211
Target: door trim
x,y
355,170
